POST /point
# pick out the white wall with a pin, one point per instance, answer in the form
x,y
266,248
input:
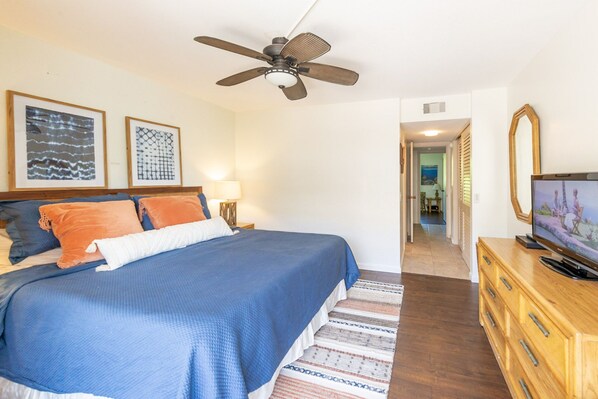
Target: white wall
x,y
325,169
489,166
561,84
35,67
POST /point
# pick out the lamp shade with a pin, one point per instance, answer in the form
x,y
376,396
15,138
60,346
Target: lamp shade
x,y
228,190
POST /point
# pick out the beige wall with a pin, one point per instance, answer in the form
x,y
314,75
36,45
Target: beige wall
x,y
489,167
561,83
326,169
35,67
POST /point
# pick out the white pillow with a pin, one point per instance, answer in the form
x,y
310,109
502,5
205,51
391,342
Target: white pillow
x,y
122,250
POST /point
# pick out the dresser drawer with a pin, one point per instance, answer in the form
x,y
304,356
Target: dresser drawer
x,y
487,263
494,301
508,291
535,366
545,336
493,331
520,382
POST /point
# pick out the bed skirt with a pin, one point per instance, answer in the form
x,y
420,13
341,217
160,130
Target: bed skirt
x,y
12,390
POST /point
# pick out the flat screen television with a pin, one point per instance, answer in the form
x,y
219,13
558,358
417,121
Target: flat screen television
x,y
565,221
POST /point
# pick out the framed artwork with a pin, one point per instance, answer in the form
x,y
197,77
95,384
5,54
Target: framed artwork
x,y
429,175
54,145
153,154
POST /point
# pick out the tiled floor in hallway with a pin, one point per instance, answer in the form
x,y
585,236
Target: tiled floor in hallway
x,y
431,253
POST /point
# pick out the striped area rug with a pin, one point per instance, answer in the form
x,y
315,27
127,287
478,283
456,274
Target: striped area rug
x,y
353,353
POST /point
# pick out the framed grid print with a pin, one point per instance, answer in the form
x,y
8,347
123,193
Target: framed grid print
x,y
54,145
153,154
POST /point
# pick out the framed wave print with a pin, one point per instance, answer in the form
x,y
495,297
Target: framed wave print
x,y
153,154
54,145
429,175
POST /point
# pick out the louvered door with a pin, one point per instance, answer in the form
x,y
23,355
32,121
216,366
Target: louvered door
x,y
465,195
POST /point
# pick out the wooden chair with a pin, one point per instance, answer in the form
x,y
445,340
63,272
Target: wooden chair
x,y
422,202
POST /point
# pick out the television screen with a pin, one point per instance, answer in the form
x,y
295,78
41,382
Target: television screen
x,y
565,216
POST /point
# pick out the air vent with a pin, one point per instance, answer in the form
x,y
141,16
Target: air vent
x,y
434,108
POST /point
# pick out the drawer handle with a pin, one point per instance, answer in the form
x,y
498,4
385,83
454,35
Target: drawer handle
x,y
490,319
529,353
525,389
506,283
492,294
539,324
488,261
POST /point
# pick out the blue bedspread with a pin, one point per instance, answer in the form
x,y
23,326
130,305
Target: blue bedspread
x,y
212,320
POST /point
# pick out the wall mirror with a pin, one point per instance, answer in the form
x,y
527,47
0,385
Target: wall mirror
x,y
524,159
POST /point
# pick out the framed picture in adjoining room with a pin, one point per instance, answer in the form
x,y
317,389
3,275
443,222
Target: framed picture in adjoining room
x,y
429,175
54,144
153,154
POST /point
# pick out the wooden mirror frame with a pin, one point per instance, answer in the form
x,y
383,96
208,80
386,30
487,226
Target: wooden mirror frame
x,y
528,111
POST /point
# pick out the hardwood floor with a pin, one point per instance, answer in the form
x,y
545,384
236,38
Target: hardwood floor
x,y
431,218
442,351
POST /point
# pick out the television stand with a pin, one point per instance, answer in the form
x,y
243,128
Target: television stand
x,y
567,269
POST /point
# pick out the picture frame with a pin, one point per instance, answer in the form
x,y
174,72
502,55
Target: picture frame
x,y
54,145
429,175
402,150
153,154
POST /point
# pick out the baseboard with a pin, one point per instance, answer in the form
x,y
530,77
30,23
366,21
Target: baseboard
x,y
376,267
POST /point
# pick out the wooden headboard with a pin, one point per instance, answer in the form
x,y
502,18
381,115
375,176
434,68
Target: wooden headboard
x,y
51,195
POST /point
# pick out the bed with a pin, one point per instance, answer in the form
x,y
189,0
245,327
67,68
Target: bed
x,y
215,319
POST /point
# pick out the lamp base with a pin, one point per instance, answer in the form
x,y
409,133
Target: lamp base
x,y
228,211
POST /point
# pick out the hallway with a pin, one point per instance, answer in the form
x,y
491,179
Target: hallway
x,y
432,254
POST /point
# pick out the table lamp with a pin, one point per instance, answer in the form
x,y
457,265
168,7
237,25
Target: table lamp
x,y
229,192
436,187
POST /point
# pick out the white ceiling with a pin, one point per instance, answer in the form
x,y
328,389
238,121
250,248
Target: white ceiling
x,y
448,130
406,48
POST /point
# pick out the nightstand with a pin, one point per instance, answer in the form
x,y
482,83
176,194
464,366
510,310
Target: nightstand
x,y
245,225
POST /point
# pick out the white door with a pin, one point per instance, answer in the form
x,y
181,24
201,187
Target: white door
x,y
465,195
411,192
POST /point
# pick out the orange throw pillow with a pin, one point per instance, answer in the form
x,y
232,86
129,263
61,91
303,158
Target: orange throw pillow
x,y
168,211
77,224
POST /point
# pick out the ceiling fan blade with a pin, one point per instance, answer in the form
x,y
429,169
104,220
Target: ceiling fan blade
x,y
305,47
328,73
234,48
296,92
242,77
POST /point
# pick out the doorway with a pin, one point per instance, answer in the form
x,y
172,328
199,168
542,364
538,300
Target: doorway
x,y
432,207
432,179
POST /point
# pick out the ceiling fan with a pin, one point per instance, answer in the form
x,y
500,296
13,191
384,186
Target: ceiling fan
x,y
288,59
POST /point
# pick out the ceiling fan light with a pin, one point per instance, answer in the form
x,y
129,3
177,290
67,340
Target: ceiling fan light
x,y
281,77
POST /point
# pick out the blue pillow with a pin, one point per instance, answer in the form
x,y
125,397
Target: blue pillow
x,y
146,223
23,225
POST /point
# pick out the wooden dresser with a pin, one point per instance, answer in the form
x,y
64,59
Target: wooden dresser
x,y
543,327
